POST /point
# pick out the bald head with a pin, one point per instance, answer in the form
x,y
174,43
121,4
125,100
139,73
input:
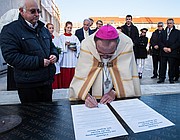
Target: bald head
x,y
106,48
29,11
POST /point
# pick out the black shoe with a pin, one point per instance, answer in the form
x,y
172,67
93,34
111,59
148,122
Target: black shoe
x,y
140,75
160,81
171,82
153,77
176,78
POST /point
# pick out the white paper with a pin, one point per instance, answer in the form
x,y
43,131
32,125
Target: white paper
x,y
95,123
138,116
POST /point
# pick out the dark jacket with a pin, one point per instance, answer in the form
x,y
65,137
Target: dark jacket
x,y
80,34
155,40
173,42
94,30
25,49
141,48
134,34
178,53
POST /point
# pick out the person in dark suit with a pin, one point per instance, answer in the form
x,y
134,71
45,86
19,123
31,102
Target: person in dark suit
x,y
155,48
169,51
85,31
132,31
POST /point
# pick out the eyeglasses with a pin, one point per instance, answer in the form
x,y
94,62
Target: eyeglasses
x,y
33,11
169,23
160,26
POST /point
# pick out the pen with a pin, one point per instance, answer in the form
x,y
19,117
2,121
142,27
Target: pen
x,y
92,99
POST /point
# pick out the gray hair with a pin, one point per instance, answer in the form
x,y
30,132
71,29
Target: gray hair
x,y
87,20
22,3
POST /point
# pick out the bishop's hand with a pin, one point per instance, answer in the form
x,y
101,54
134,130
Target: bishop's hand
x,y
90,101
108,97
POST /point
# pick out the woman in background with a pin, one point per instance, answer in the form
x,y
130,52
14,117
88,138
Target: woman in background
x,y
56,83
70,47
141,53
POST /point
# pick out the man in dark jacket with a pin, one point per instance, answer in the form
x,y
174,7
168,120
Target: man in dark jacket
x,y
155,50
27,45
169,51
85,31
130,30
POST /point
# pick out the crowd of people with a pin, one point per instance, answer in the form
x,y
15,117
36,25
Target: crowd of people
x,y
87,59
165,49
164,46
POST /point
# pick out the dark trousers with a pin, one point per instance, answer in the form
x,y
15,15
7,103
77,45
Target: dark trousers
x,y
11,85
163,66
156,60
35,94
177,70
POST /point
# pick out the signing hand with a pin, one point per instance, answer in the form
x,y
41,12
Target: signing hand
x,y
91,102
108,97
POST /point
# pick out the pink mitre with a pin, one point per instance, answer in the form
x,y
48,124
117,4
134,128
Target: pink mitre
x,y
107,32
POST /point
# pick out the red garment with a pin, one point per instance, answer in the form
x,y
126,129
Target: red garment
x,y
66,34
66,77
56,84
52,36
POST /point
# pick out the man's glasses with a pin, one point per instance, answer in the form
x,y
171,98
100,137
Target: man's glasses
x,y
33,11
160,26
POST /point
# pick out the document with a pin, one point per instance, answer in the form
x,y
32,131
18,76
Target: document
x,y
95,123
138,116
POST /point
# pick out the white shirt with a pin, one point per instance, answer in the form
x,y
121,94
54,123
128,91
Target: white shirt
x,y
68,58
31,24
86,33
168,32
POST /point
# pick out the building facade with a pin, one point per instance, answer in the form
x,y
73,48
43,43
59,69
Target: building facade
x,y
140,22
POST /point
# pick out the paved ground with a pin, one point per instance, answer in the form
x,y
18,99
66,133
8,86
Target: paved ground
x,y
148,87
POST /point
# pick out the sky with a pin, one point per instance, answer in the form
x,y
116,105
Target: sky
x,y
78,10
